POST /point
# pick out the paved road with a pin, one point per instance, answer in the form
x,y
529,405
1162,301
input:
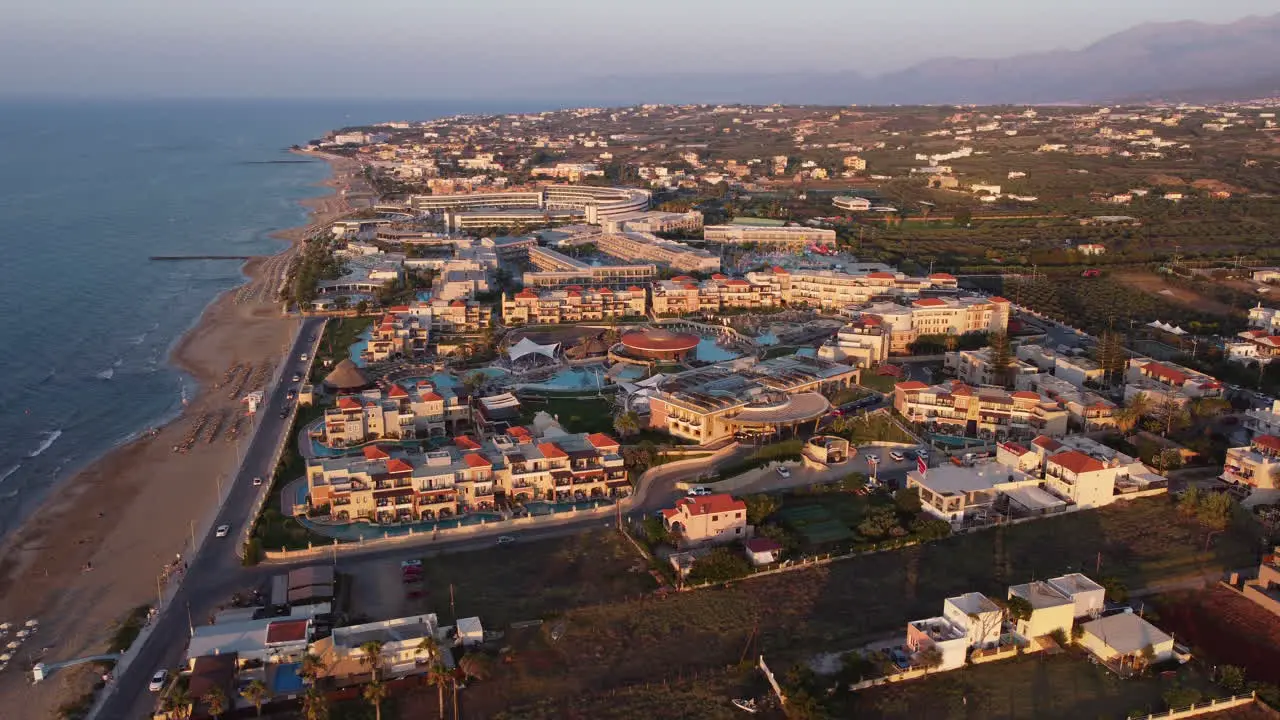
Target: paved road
x,y
215,573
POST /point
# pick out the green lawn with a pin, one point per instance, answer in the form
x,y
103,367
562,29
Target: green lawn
x,y
339,335
1065,686
589,414
880,383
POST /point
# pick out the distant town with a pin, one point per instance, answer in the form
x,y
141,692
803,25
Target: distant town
x,y
703,411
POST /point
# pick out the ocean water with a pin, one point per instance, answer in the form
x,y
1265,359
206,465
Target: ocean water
x,y
89,190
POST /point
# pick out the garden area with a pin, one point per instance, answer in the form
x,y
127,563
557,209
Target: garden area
x,y
335,345
607,647
576,414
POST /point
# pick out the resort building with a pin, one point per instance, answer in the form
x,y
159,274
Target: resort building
x,y
1086,410
963,495
655,346
1264,318
979,411
862,343
833,290
1080,470
555,269
343,654
745,396
1263,421
402,411
654,222
572,304
1258,345
851,203
1256,464
975,367
707,520
682,295
392,486
791,236
651,248
589,202
1162,381
398,335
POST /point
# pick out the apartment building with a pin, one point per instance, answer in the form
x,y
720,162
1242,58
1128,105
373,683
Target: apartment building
x,y
1163,381
393,486
975,367
1265,318
979,411
792,236
395,413
1080,470
683,295
653,221
978,616
956,316
833,290
650,248
1256,464
572,304
556,270
765,397
1258,345
1261,421
398,334
1087,410
707,520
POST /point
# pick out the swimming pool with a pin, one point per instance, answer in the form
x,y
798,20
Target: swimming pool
x,y
288,678
591,377
630,373
542,507
709,351
360,345
767,338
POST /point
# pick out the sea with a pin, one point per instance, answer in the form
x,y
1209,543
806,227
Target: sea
x,y
89,190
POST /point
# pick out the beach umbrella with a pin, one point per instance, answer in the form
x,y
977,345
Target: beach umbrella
x,y
5,626
32,623
4,657
14,645
22,633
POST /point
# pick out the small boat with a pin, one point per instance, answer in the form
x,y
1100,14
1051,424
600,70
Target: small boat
x,y
746,705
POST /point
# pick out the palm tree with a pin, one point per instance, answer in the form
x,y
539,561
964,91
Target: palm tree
x,y
256,693
439,676
313,667
429,646
374,693
315,706
216,699
1128,417
372,656
627,423
178,703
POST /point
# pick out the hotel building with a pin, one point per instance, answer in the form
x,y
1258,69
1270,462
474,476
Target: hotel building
x,y
589,202
572,304
646,247
555,269
976,411
685,296
1256,464
1162,381
974,367
401,411
832,290
792,236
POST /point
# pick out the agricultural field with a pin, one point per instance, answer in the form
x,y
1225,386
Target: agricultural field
x,y
1098,304
1225,627
1153,284
842,606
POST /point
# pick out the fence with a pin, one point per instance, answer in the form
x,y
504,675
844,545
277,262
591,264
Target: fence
x,y
1212,706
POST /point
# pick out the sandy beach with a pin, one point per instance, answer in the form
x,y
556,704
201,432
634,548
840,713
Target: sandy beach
x,y
94,550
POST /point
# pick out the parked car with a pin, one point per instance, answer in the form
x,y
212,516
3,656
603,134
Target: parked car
x,y
297,377
923,454
897,456
411,563
783,471
222,531
158,680
303,357
872,457
505,539
699,491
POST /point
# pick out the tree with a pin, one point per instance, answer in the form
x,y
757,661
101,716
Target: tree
x,y
256,693
1128,417
1001,359
1112,357
1216,511
878,523
429,647
374,693
963,217
1180,696
216,700
1231,678
1170,415
473,381
178,702
719,565
759,507
1167,459
1018,608
627,423
362,307
928,529
1189,503
371,656
439,676
930,658
907,500
313,666
315,705
476,666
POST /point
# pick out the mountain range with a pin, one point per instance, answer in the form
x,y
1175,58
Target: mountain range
x,y
1165,61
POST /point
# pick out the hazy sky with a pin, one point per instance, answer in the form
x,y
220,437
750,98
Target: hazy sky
x,y
459,48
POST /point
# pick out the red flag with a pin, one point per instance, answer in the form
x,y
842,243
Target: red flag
x,y
921,466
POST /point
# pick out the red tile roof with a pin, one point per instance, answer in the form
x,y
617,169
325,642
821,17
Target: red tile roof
x,y
527,294
1046,442
719,276
633,288
464,442
397,391
396,465
942,276
431,397
998,299
1027,395
929,302
737,282
881,276
519,431
458,303
762,545
711,504
600,440
1269,442
373,452
551,450
399,308
1165,372
1015,448
681,278
605,291
1077,462
574,293
476,460
779,270
348,403
910,385
285,631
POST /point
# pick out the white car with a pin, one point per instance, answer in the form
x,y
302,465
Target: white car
x,y
783,471
872,458
412,563
897,456
505,539
257,481
222,531
303,357
157,680
297,377
923,454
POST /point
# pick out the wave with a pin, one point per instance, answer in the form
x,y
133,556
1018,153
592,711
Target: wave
x,y
118,362
50,438
106,374
9,472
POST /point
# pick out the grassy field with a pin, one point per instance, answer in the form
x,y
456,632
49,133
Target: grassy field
x,y
590,414
1225,627
339,335
534,580
1065,686
842,606
880,383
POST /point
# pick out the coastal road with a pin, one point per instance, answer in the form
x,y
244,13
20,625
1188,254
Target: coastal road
x,y
215,572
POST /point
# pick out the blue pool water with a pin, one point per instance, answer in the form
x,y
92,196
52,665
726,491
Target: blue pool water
x,y
360,346
449,381
287,679
579,378
424,296
630,372
767,338
709,351
541,507
807,352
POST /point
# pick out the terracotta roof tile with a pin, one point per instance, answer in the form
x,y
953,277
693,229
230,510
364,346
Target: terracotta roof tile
x,y
1077,462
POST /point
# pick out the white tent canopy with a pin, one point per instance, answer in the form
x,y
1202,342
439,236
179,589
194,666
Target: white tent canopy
x,y
1164,327
528,347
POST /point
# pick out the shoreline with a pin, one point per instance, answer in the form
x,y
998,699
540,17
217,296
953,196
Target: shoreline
x,y
92,549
